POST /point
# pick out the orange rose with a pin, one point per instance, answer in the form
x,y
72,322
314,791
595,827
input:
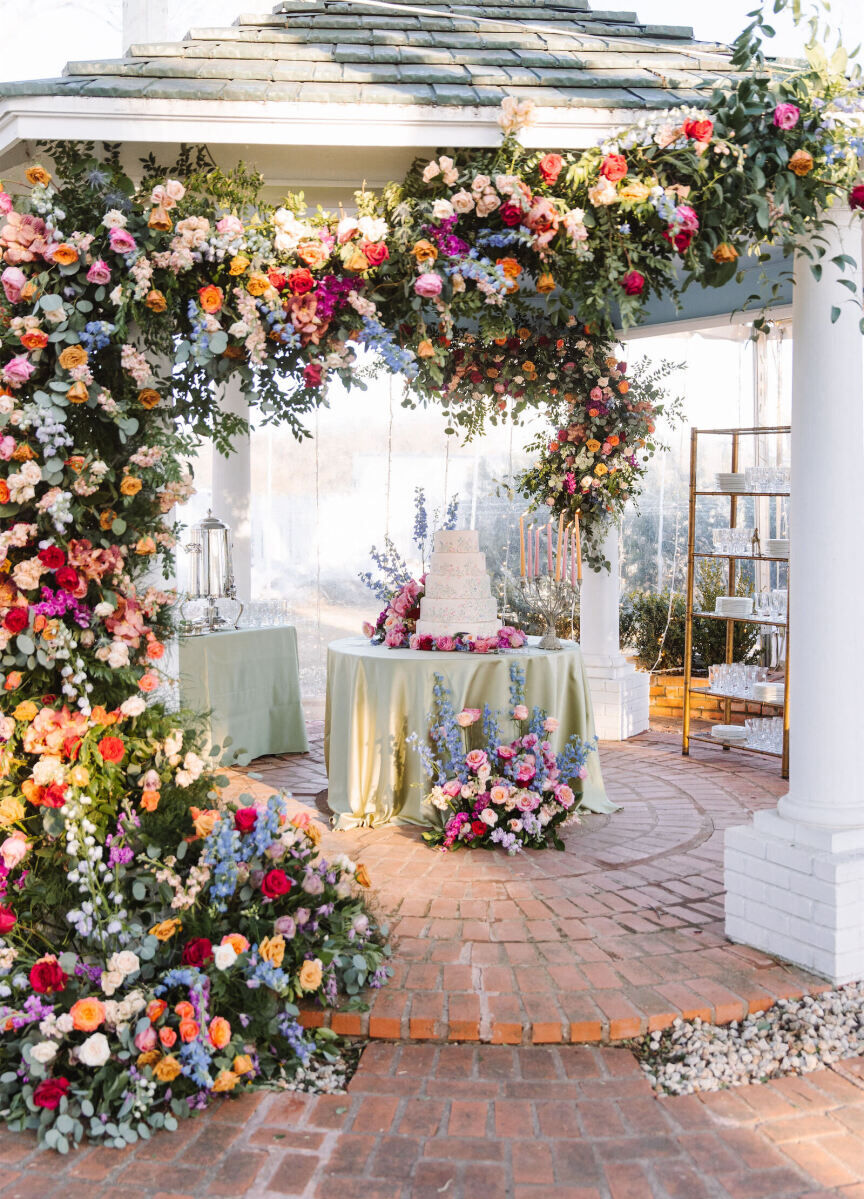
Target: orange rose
x,y
184,1010
592,445
107,518
204,820
149,800
424,251
37,175
237,942
801,163
312,253
257,284
510,266
34,339
226,1080
189,1030
160,220
614,439
148,398
168,1037
155,301
13,680
219,1032
148,682
78,394
164,931
242,1064
238,265
166,1070
155,650
65,254
130,485
87,1014
362,876
425,349
546,282
210,298
76,463
4,492
156,1008
623,387
145,546
150,1058
73,356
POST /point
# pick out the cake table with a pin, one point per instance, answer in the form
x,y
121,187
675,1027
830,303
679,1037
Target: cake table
x,y
377,697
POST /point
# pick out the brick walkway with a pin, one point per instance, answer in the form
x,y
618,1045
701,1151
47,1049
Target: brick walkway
x,y
485,1122
618,935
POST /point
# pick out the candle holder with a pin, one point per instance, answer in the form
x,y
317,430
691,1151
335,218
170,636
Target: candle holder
x,y
549,599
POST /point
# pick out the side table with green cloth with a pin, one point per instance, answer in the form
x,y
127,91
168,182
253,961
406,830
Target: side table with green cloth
x,y
377,697
249,680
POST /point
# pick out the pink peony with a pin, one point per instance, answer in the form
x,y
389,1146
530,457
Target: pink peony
x,y
786,116
527,803
428,284
520,712
99,273
18,370
476,760
122,241
395,636
13,280
506,752
445,645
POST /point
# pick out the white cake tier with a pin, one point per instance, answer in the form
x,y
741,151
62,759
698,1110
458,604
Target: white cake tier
x,y
479,628
452,611
457,541
462,565
458,586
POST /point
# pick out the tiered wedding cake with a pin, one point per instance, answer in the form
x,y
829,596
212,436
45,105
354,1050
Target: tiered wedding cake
x,y
458,595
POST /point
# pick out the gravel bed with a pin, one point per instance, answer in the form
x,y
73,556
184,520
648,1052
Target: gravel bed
x,y
795,1036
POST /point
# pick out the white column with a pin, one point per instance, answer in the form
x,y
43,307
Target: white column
x,y
619,692
232,492
795,876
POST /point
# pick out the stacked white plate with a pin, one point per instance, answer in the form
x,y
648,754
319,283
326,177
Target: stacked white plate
x,y
777,547
768,693
729,732
733,605
731,482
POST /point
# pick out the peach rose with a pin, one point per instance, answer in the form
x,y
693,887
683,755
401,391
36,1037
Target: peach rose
x,y
130,485
78,393
148,397
272,950
165,930
226,1080
312,253
237,942
37,176
310,975
219,1032
87,1014
167,1069
73,356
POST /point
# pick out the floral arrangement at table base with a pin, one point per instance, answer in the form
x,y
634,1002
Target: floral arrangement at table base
x,y
493,792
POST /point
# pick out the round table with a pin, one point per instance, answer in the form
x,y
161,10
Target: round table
x,y
377,697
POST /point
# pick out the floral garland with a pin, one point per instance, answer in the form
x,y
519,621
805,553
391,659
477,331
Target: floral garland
x,y
513,795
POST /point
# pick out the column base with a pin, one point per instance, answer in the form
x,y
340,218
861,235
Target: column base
x,y
795,892
620,696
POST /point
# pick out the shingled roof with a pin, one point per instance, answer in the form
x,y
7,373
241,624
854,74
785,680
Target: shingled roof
x,y
558,53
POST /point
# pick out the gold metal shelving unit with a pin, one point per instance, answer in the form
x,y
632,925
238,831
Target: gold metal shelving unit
x,y
731,621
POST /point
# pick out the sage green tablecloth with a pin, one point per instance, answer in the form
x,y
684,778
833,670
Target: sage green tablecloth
x,y
249,679
377,697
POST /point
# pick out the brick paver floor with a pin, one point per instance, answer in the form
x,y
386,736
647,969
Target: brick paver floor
x,y
485,1122
616,936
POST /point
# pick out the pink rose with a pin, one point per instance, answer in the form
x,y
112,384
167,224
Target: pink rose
x,y
485,645
506,752
565,796
525,772
18,370
368,629
395,636
686,218
520,712
146,1039
786,116
527,803
401,604
100,272
13,849
428,284
7,447
476,760
13,280
467,717
445,645
229,226
5,203
452,788
122,241
583,772
550,724
413,641
499,793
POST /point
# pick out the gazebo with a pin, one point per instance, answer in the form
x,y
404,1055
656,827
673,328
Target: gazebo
x,y
324,95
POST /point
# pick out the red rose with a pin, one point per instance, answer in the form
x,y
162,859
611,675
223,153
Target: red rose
x,y
700,131
112,749
510,214
478,828
301,281
680,240
54,796
633,283
275,883
8,920
52,557
312,374
16,620
197,951
549,167
46,977
67,577
49,1092
614,167
856,196
277,279
376,252
245,819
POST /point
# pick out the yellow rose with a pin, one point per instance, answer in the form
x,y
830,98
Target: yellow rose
x,y
257,284
242,1064
424,251
226,1080
362,876
167,1069
26,710
204,820
634,191
148,1059
11,810
725,253
801,163
73,356
272,950
36,175
592,445
78,394
601,469
238,265
310,975
79,776
130,485
166,929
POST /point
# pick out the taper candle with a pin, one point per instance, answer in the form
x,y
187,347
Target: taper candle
x,y
573,554
522,546
564,557
559,548
549,547
528,555
578,551
536,551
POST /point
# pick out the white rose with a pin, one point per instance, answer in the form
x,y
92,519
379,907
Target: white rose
x,y
343,862
224,956
114,219
462,201
173,743
441,210
489,817
133,706
44,1052
125,962
95,1051
430,171
175,189
65,1023
103,609
110,981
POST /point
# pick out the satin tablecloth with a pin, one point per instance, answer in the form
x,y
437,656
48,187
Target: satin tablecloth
x,y
377,697
249,681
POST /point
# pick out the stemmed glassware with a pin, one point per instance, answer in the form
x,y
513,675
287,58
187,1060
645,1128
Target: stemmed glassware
x,y
736,678
765,732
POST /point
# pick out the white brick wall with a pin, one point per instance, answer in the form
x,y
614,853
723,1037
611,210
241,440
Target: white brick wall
x,y
620,698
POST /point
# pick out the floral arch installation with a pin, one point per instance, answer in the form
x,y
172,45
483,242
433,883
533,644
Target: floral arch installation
x,y
155,941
